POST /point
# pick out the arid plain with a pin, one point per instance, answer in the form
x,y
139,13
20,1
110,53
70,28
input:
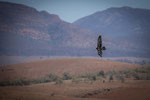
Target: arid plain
x,y
79,86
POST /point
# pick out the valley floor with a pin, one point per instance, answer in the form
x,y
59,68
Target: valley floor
x,y
130,90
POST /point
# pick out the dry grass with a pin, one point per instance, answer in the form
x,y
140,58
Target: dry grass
x,y
59,66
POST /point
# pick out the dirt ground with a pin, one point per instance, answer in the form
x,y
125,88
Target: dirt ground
x,y
97,90
135,90
131,90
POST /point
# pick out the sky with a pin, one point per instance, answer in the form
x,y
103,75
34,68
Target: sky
x,y
72,10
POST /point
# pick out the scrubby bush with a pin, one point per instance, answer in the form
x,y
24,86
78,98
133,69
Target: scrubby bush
x,y
121,78
58,81
85,75
111,78
67,76
128,74
5,83
101,73
148,76
53,77
86,80
145,69
40,80
92,77
140,70
76,79
19,82
141,73
111,73
136,76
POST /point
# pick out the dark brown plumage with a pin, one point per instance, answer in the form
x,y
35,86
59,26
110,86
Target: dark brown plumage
x,y
99,46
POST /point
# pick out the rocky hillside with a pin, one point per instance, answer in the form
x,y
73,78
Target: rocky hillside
x,y
26,31
127,27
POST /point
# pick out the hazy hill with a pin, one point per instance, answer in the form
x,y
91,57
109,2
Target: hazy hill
x,y
127,27
26,31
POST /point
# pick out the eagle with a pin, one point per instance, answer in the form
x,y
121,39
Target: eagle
x,y
100,48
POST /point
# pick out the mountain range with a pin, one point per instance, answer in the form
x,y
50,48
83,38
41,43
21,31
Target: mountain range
x,y
27,31
127,27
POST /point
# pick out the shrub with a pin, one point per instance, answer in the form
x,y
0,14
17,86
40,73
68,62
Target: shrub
x,y
136,76
121,78
59,81
145,69
111,73
67,76
5,83
148,76
86,80
53,77
128,74
85,75
41,80
111,78
19,82
75,79
101,73
92,77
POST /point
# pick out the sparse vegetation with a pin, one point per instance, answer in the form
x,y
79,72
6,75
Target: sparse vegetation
x,y
88,84
111,78
112,72
59,81
67,76
148,76
101,73
19,82
53,77
40,80
121,78
145,69
76,79
22,82
142,73
93,78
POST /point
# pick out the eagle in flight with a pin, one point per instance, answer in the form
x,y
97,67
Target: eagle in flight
x,y
100,48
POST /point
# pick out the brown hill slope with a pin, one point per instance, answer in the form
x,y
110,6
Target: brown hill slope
x,y
59,66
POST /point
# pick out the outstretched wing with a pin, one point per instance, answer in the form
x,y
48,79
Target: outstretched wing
x,y
99,43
